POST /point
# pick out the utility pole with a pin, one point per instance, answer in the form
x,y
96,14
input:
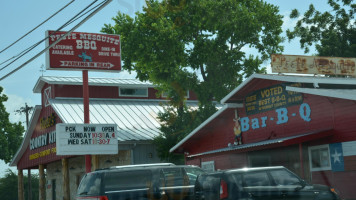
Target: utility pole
x,y
27,110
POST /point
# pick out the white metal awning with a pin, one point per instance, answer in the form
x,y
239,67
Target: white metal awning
x,y
136,119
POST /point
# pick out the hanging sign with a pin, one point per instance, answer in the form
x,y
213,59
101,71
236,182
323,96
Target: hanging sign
x,y
86,139
313,65
83,51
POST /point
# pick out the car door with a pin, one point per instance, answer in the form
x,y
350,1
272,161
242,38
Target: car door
x,y
290,185
259,186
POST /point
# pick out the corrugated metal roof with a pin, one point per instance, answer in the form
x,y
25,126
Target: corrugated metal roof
x,y
136,119
92,81
269,142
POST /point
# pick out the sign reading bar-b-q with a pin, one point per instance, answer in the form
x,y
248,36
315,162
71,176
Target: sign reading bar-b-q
x,y
85,139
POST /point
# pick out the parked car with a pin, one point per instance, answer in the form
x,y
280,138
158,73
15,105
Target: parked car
x,y
264,183
140,182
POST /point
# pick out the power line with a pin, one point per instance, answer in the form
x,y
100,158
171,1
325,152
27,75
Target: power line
x,y
36,27
106,2
32,47
24,52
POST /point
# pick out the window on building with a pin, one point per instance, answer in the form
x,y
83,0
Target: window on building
x,y
319,158
134,92
208,166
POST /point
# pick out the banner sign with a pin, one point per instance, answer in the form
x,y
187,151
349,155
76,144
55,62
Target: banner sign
x,y
272,98
83,51
313,65
85,139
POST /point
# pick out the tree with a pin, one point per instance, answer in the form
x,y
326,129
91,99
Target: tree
x,y
196,45
332,32
9,187
10,133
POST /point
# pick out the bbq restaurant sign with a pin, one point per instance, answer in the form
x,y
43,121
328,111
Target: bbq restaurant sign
x,y
83,51
313,65
85,139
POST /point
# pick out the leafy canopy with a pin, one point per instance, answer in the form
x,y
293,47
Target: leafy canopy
x,y
10,133
196,45
332,32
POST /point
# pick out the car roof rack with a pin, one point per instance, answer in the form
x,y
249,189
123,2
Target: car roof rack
x,y
142,165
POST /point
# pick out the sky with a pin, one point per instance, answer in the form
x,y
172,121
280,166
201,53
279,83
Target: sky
x,y
20,16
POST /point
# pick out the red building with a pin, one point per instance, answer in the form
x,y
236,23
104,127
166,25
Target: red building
x,y
305,123
130,104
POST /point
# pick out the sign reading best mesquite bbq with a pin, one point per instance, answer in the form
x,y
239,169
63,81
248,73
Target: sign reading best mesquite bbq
x,y
83,51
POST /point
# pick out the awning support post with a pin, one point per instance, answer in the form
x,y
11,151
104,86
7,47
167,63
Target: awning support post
x,y
301,160
42,190
21,194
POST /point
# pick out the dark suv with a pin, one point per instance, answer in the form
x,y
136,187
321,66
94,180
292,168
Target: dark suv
x,y
151,181
262,183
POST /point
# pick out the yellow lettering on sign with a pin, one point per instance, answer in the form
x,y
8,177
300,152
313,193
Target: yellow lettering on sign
x,y
42,153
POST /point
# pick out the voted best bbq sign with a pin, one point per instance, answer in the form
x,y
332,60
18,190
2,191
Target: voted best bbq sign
x,y
84,139
83,51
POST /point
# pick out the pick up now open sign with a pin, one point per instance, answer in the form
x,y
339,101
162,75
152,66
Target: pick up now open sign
x,y
83,51
86,139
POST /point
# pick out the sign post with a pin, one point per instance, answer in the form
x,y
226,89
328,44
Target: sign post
x,y
86,114
83,51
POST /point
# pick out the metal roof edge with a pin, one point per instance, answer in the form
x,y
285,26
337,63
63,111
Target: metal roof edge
x,y
28,134
41,81
265,142
228,96
118,99
292,78
217,113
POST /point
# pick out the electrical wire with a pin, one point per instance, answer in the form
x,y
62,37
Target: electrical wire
x,y
64,25
103,4
37,27
36,44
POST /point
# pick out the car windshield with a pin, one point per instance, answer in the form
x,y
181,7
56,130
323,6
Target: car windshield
x,y
90,184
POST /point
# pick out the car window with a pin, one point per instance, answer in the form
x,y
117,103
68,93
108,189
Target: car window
x,y
193,173
256,179
284,177
90,184
127,180
174,177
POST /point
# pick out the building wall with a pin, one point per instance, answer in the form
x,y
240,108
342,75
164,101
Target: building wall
x,y
325,113
76,91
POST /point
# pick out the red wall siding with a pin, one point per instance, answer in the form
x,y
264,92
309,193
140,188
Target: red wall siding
x,y
226,161
25,161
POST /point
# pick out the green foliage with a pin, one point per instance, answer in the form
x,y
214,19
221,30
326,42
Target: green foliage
x,y
10,133
196,45
177,123
332,32
9,186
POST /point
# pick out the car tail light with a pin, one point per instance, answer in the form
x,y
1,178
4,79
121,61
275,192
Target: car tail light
x,y
93,198
223,190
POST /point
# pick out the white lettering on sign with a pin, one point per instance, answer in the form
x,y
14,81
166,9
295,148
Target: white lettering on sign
x,y
42,140
282,117
84,139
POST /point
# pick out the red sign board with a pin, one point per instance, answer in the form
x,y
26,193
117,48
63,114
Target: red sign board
x,y
83,51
